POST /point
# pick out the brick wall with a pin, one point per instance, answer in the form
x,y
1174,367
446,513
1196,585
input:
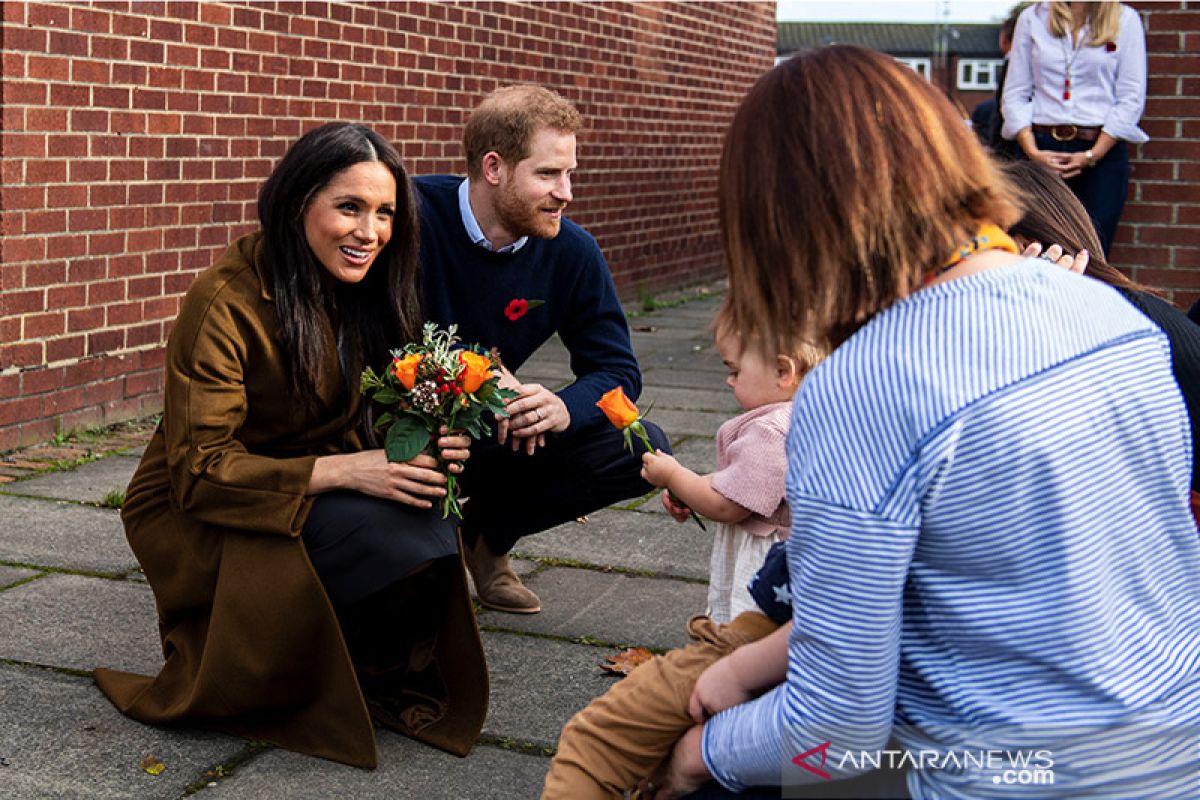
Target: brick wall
x,y
135,136
1159,236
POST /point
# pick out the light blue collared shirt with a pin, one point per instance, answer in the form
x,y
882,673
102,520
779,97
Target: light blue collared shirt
x,y
472,224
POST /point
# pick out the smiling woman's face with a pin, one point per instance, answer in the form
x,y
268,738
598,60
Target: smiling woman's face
x,y
350,220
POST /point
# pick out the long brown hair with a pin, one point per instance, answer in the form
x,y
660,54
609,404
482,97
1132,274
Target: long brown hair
x,y
845,177
1054,215
384,310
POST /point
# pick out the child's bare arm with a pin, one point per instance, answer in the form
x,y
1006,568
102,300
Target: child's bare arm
x,y
740,676
696,491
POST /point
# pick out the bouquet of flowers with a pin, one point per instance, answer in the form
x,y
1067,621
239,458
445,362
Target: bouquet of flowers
x,y
431,384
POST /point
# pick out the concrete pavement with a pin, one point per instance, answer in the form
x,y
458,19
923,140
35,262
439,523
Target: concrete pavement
x,y
72,598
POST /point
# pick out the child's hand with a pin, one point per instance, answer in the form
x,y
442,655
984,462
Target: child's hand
x,y
717,689
658,467
678,511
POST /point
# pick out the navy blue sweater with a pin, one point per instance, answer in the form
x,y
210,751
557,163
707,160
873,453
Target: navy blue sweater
x,y
472,287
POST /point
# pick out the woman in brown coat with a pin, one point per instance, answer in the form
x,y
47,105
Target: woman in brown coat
x,y
304,585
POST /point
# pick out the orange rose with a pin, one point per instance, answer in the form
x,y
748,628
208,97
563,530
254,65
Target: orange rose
x,y
476,369
618,408
405,369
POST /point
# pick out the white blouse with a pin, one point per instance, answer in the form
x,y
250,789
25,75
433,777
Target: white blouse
x,y
1108,85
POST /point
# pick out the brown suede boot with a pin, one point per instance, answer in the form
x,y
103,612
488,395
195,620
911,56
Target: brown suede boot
x,y
496,585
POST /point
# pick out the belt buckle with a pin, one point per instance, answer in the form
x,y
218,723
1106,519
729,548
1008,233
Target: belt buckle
x,y
1054,133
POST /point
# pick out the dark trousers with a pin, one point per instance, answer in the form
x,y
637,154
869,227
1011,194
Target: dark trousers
x,y
1101,188
514,494
360,545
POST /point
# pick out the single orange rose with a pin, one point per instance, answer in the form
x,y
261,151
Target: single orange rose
x,y
405,369
620,411
476,369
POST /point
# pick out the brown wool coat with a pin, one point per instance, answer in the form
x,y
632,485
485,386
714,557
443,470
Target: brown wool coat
x,y
214,513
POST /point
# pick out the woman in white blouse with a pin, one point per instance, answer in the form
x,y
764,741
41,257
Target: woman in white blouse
x,y
1073,95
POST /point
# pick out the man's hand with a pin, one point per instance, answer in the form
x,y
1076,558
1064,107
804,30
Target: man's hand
x,y
533,413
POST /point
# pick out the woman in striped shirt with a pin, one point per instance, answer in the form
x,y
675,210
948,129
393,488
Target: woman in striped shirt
x,y
992,562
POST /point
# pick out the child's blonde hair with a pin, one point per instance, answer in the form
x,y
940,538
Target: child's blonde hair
x,y
803,354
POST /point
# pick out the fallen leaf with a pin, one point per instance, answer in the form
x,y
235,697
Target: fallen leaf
x,y
151,765
623,663
581,520
646,328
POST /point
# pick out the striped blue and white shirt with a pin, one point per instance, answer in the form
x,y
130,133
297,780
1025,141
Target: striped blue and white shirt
x,y
991,551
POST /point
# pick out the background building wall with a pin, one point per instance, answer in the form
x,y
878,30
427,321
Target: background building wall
x,y
1158,240
136,134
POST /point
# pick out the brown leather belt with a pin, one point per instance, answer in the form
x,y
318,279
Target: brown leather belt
x,y
1068,133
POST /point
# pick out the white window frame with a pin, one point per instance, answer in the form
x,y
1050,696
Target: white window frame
x,y
977,66
921,66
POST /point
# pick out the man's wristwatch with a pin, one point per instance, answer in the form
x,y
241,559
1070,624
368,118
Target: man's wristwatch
x,y
1090,156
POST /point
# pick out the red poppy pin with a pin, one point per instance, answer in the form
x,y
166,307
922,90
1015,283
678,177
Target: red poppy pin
x,y
519,307
1110,47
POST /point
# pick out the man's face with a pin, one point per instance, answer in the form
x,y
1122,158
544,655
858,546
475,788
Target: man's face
x,y
533,193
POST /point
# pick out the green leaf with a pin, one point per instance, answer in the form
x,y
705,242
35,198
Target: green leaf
x,y
407,437
387,396
384,419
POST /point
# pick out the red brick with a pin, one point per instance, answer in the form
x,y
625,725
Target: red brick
x,y
67,43
105,341
42,380
90,71
62,401
46,119
88,171
68,246
109,48
1153,234
45,221
27,145
105,292
87,119
85,319
70,296
64,348
45,273
49,68
19,410
88,220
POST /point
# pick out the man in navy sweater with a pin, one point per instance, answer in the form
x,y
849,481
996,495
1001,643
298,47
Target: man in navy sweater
x,y
501,261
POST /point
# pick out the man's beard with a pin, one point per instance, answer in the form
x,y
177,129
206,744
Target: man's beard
x,y
522,219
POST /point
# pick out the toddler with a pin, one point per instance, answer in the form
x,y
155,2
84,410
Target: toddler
x,y
621,737
745,494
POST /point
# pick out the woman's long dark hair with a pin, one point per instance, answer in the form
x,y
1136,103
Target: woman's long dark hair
x,y
381,312
1054,215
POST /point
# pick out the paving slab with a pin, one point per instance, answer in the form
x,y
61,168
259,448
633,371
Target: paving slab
x,y
678,423
611,607
10,575
87,483
539,684
628,539
667,377
718,399
52,533
697,453
79,622
61,738
696,358
407,769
